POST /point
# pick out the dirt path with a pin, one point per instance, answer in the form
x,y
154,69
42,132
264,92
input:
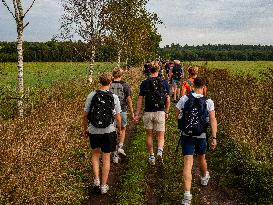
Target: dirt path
x,y
214,194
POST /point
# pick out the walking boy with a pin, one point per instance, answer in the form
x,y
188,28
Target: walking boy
x,y
123,91
101,109
157,104
196,111
177,76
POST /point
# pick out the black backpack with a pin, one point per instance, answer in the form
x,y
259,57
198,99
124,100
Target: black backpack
x,y
177,72
101,109
147,68
156,93
194,118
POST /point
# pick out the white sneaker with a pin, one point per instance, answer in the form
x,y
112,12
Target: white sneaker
x,y
187,199
152,160
96,183
159,158
115,158
205,180
104,189
121,151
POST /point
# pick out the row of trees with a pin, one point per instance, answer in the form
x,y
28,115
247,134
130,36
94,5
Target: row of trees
x,y
220,52
56,51
126,25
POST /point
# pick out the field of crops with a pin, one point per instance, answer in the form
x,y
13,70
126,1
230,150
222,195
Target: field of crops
x,y
44,160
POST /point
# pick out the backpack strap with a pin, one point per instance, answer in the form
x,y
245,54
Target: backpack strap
x,y
190,83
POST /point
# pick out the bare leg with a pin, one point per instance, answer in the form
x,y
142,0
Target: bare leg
x,y
149,141
122,135
105,167
187,175
96,162
203,164
160,139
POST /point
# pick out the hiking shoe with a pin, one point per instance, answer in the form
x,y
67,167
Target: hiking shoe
x,y
159,158
121,151
115,158
205,180
187,199
104,189
96,183
152,160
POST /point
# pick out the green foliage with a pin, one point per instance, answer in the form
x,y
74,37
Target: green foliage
x,y
236,162
220,52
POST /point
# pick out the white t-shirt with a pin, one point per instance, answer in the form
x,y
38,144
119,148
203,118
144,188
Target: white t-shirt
x,y
183,99
110,128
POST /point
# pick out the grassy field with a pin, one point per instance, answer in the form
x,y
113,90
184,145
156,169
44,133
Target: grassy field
x,y
257,69
47,74
38,77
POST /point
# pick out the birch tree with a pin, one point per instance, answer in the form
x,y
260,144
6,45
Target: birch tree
x,y
19,15
131,26
84,19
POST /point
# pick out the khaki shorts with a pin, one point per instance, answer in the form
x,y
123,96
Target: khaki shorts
x,y
154,121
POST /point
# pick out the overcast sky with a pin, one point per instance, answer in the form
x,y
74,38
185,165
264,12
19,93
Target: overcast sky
x,y
185,21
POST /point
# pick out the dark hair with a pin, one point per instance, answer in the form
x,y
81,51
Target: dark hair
x,y
199,82
105,79
154,69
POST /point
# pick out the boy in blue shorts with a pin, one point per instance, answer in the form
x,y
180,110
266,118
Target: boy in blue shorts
x,y
194,112
102,109
124,93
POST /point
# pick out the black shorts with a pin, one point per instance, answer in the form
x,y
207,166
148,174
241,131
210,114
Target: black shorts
x,y
106,142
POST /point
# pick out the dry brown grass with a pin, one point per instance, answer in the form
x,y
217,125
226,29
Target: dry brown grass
x,y
43,158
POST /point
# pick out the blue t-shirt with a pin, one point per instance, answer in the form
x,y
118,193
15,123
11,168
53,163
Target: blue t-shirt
x,y
142,92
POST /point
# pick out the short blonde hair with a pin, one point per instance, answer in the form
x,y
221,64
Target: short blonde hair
x,y
117,72
105,79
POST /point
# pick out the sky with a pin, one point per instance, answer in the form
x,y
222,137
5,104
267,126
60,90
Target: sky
x,y
184,21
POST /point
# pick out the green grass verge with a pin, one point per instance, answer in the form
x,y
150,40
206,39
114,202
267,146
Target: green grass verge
x,y
235,161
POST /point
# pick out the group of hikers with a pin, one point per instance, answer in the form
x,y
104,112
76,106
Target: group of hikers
x,y
105,118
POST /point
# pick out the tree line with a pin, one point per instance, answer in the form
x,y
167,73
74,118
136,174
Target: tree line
x,y
219,52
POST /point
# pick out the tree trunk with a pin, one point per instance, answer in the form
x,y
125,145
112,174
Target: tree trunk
x,y
91,66
119,56
20,68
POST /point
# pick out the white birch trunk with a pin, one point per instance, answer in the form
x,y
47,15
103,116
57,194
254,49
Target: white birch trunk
x,y
119,56
91,66
20,73
20,28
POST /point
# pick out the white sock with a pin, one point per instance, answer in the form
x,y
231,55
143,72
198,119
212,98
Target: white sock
x,y
120,145
187,193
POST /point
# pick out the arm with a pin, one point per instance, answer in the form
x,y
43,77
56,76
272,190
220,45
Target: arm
x,y
85,125
130,104
213,123
177,112
167,106
138,109
118,121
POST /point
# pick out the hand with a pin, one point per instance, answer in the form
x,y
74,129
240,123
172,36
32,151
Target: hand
x,y
166,116
136,119
133,116
213,143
